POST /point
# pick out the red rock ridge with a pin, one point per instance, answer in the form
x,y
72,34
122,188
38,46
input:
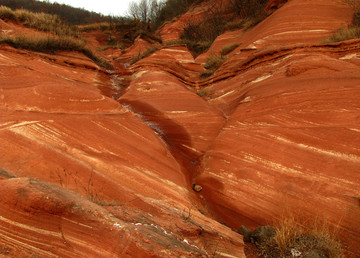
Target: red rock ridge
x,y
88,168
60,124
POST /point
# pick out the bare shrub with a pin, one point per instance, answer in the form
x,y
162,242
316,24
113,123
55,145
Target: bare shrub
x,y
199,35
172,9
249,8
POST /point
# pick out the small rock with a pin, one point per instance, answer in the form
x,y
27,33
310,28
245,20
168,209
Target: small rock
x,y
295,253
196,188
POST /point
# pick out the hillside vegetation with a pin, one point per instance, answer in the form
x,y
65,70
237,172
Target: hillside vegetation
x,y
70,14
61,36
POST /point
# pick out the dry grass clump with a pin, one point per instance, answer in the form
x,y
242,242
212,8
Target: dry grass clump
x,y
51,44
94,26
47,44
40,21
213,62
204,92
227,49
146,53
199,35
344,34
294,239
353,31
355,4
6,13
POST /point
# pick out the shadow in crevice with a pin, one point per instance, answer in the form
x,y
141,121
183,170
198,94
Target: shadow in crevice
x,y
173,135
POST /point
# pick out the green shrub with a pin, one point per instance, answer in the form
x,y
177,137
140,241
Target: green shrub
x,y
228,48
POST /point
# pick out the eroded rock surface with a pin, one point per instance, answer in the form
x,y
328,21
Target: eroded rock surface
x,y
61,125
85,163
292,138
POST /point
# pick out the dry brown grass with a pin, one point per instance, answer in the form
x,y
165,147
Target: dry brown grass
x,y
94,26
204,92
61,38
353,31
146,53
213,62
43,43
6,13
51,44
227,49
344,34
355,5
302,238
40,21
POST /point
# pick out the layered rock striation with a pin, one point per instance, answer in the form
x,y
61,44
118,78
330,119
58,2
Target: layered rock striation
x,y
89,167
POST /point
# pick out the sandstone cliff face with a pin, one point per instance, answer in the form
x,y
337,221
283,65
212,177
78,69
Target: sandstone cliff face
x,y
90,168
291,139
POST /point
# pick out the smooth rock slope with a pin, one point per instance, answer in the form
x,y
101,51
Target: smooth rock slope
x,y
90,168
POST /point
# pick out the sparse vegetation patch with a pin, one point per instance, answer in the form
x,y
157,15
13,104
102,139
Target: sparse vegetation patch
x,y
353,31
199,35
51,44
227,49
146,53
213,62
40,21
344,34
289,238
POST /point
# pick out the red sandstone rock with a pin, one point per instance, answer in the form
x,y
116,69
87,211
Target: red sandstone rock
x,y
272,5
117,175
291,141
297,22
58,125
